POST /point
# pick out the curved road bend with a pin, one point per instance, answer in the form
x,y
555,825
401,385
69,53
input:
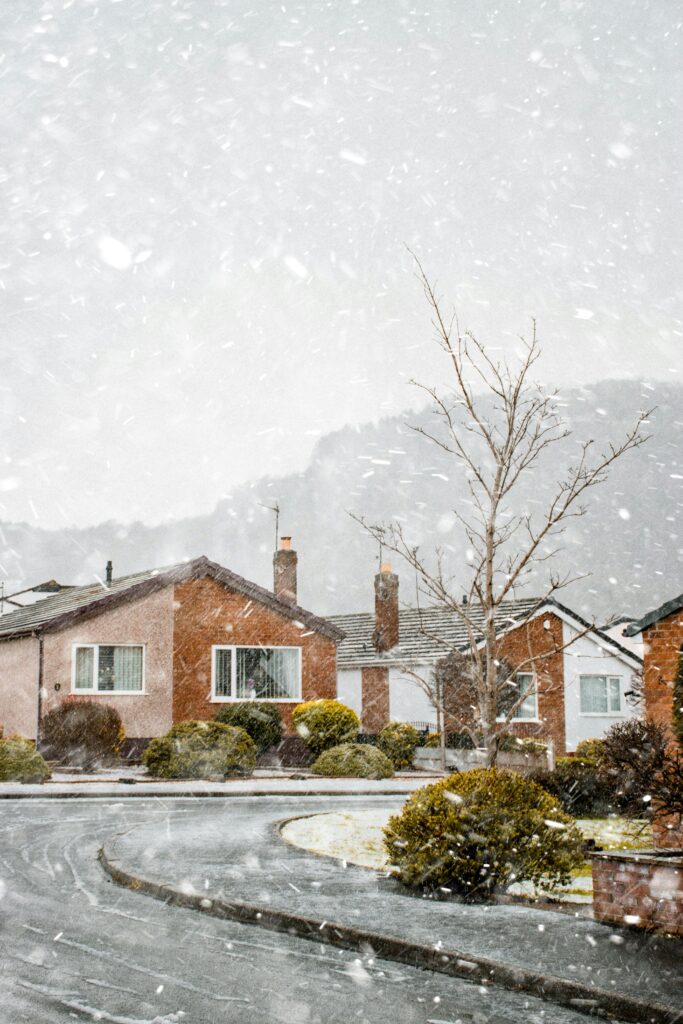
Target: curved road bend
x,y
73,946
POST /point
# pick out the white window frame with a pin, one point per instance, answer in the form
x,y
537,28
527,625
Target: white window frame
x,y
96,671
607,676
534,694
217,698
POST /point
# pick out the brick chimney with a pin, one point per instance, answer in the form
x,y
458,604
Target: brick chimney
x,y
284,571
385,634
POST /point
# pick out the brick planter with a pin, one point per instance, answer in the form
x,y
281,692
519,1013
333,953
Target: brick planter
x,y
643,889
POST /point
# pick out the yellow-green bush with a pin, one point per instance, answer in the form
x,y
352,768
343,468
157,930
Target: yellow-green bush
x,y
590,750
477,832
325,723
258,718
399,741
21,762
201,750
359,760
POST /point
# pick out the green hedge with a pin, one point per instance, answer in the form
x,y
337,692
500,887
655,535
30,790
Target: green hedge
x,y
83,733
259,719
358,760
21,762
477,832
399,741
325,723
201,750
581,786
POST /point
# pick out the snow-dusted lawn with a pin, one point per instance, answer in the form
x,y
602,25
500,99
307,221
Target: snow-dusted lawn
x,y
356,837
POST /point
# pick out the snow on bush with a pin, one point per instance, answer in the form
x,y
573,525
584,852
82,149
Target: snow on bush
x,y
325,723
21,762
478,832
399,741
82,733
201,750
358,760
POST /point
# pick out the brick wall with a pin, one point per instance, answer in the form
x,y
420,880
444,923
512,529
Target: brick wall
x,y
663,642
375,689
206,613
637,890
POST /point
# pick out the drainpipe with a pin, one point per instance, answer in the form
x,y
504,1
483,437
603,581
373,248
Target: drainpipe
x,y
40,687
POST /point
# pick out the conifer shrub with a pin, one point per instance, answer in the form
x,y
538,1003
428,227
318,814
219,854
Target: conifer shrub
x,y
478,832
201,750
259,719
677,703
399,741
325,723
581,786
82,733
21,762
358,760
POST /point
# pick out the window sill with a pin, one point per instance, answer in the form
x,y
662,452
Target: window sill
x,y
601,714
108,693
263,700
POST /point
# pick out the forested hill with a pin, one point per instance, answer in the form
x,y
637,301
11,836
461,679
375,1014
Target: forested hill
x,y
629,540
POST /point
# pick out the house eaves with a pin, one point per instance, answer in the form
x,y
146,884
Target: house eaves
x,y
669,608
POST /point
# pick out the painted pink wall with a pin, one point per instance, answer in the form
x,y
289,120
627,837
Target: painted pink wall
x,y
148,621
19,687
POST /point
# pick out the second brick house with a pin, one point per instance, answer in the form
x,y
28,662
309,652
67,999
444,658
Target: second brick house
x,y
576,691
165,646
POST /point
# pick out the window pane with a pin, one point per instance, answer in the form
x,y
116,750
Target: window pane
x,y
593,695
614,694
267,673
522,683
85,661
223,672
120,668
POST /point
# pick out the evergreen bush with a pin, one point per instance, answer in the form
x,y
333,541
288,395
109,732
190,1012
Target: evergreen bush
x,y
399,741
581,786
358,760
201,750
259,719
21,762
477,832
325,723
82,733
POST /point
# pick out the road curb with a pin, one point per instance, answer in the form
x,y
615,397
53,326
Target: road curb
x,y
130,793
477,969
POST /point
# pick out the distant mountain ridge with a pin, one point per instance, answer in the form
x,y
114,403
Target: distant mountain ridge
x,y
629,540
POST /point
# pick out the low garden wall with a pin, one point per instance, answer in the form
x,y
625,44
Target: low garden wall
x,y
643,889
429,759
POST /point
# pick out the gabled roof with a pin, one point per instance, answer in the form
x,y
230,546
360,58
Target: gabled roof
x,y
426,634
674,605
78,603
22,598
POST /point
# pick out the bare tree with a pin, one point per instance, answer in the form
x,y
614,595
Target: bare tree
x,y
497,423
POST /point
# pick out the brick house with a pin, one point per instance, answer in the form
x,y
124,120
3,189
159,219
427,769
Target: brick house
x,y
577,691
662,632
164,646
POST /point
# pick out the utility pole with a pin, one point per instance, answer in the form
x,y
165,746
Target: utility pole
x,y
276,509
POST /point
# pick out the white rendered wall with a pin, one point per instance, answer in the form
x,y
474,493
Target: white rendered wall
x,y
407,700
349,689
586,657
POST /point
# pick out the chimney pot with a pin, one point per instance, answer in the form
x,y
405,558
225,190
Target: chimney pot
x,y
285,543
385,567
109,573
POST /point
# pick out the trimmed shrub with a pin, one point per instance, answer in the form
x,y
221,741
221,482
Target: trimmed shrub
x,y
201,750
82,733
433,740
358,760
477,832
259,719
581,787
590,750
399,741
325,723
21,762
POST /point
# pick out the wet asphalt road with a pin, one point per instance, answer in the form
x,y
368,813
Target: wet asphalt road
x,y
75,947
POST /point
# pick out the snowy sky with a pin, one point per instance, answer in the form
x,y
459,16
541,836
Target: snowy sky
x,y
203,260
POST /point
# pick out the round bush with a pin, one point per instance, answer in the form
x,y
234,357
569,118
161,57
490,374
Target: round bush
x,y
477,832
399,741
200,750
325,723
358,760
21,762
82,733
581,786
259,719
590,750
